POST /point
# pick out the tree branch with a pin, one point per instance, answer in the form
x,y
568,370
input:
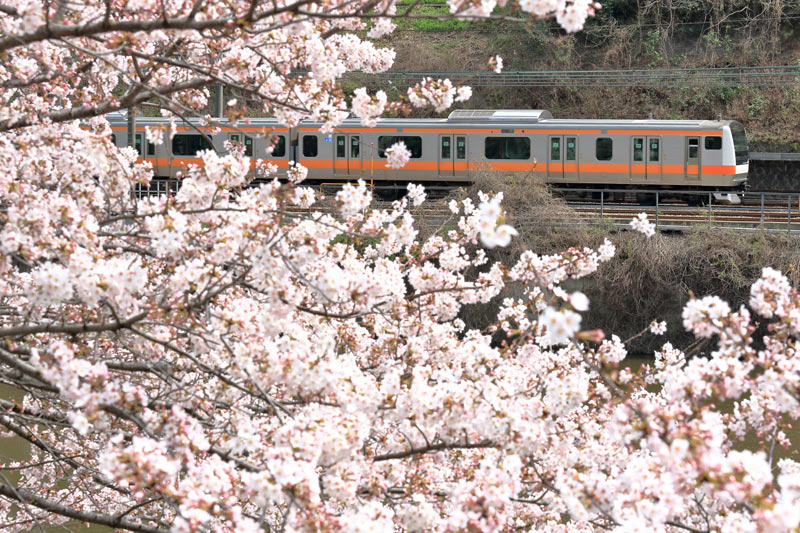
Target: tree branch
x,y
434,448
72,329
119,521
84,112
64,31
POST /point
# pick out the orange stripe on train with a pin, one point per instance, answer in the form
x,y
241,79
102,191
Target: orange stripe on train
x,y
664,132
527,166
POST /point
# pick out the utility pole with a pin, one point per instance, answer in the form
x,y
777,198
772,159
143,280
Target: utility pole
x,y
132,126
220,109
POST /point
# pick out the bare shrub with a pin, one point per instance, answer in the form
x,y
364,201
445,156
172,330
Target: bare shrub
x,y
653,278
545,222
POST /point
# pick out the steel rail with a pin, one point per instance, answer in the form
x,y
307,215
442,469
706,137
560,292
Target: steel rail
x,y
669,210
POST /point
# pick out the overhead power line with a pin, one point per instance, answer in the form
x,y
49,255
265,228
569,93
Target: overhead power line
x,y
760,76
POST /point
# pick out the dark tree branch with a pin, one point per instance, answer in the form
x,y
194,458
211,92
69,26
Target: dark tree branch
x,y
440,446
93,29
72,329
686,527
9,10
118,521
85,112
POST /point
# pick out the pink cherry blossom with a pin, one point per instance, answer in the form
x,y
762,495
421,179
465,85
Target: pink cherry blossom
x,y
397,155
243,355
642,225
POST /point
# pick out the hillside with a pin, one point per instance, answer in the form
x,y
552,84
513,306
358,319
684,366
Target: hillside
x,y
627,35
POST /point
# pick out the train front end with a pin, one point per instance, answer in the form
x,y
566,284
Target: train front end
x,y
740,155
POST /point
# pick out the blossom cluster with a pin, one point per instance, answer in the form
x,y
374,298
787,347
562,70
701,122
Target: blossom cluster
x,y
489,214
397,155
642,225
440,94
237,357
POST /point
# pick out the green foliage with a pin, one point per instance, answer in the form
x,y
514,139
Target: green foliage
x,y
563,50
535,41
628,34
674,114
691,10
435,9
653,50
717,45
359,243
757,105
603,226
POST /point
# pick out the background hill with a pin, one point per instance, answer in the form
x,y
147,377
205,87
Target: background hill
x,y
627,34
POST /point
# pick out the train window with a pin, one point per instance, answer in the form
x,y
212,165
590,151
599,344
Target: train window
x,y
248,143
113,139
555,149
184,144
638,149
138,143
445,148
694,145
461,147
740,147
507,148
413,143
713,143
655,150
340,146
571,149
355,147
310,147
279,149
604,148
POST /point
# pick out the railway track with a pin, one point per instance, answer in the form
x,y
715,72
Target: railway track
x,y
768,212
667,217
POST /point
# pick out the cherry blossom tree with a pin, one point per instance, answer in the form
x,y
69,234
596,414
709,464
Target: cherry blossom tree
x,y
232,358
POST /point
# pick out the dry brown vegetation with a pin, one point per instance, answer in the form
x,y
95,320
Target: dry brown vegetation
x,y
649,278
545,222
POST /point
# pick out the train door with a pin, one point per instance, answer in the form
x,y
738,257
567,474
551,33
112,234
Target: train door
x,y
461,163
446,156
693,158
571,158
355,156
649,148
346,155
340,167
236,139
653,158
148,150
562,158
555,158
638,167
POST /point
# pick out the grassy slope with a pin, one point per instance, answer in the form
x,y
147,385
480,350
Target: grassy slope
x,y
769,113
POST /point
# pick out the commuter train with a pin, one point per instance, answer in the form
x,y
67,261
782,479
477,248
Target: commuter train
x,y
707,155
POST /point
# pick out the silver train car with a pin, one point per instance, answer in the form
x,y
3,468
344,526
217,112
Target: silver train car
x,y
707,155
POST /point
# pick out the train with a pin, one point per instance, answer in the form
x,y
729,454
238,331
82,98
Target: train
x,y
695,155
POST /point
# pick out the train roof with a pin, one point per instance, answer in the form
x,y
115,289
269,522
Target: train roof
x,y
524,118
